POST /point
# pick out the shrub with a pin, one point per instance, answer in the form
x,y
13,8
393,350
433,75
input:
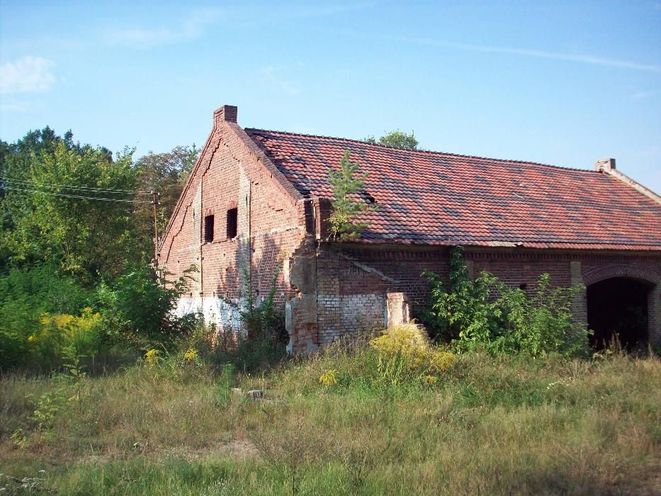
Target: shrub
x,y
484,313
25,296
405,353
139,309
264,321
262,344
346,207
66,336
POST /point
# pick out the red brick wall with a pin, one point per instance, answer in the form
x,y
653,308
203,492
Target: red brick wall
x,y
382,269
271,222
339,288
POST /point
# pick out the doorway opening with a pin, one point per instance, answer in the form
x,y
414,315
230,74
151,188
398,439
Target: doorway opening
x,y
618,311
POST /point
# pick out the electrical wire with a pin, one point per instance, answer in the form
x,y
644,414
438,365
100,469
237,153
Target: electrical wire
x,y
66,195
80,188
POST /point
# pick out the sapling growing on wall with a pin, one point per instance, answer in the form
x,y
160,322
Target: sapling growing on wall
x,y
343,223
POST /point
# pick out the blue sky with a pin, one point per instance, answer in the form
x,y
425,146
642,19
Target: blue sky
x,y
560,82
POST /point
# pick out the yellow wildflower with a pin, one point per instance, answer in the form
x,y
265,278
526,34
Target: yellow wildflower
x,y
62,320
439,361
151,357
328,378
190,355
430,379
407,347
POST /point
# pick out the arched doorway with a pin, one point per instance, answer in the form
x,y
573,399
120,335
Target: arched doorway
x,y
619,307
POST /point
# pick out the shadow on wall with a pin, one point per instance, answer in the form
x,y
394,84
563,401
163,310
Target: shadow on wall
x,y
246,281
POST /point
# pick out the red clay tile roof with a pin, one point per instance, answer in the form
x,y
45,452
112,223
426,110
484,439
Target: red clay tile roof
x,y
445,199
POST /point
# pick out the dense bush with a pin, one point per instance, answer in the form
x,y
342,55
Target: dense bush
x,y
484,313
139,309
25,297
48,320
404,353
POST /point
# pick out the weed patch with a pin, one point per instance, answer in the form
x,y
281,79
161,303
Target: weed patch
x,y
490,425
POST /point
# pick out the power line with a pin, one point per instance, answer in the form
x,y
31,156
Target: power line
x,y
80,188
66,186
66,195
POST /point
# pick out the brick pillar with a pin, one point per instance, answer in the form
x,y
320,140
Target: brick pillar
x,y
301,314
579,305
329,301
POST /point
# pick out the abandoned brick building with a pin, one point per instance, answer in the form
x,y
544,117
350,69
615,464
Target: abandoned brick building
x,y
255,207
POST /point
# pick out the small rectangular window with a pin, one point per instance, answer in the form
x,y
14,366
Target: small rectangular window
x,y
208,229
232,222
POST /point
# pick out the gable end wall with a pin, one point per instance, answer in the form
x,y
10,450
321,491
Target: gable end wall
x,y
271,225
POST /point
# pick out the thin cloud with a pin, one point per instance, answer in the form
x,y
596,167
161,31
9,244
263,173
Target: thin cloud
x,y
326,10
280,13
643,95
192,27
567,57
13,107
27,75
272,77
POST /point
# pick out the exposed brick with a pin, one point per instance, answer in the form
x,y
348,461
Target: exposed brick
x,y
333,289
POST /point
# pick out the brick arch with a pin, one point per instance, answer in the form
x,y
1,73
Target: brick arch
x,y
647,274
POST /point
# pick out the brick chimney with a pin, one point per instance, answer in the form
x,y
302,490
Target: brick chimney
x,y
226,113
605,165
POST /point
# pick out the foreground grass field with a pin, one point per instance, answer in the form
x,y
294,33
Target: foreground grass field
x,y
508,425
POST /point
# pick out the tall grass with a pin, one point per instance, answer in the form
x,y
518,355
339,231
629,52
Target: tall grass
x,y
490,425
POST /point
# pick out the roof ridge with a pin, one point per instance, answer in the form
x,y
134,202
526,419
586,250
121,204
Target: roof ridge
x,y
429,152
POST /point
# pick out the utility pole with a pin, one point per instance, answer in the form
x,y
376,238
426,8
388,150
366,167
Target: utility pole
x,y
154,202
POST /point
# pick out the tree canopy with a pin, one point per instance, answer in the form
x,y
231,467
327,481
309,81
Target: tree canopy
x,y
67,204
397,139
76,224
81,208
166,174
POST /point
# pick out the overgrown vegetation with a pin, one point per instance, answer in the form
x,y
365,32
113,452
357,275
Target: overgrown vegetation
x,y
346,204
502,424
75,244
262,342
484,313
48,319
394,413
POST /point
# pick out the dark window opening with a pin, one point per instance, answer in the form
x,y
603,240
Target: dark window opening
x,y
208,229
618,310
523,286
232,222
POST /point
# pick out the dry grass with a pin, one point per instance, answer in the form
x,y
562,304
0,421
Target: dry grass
x,y
508,425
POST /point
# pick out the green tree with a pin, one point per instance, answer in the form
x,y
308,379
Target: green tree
x,y
397,139
166,174
68,204
346,206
